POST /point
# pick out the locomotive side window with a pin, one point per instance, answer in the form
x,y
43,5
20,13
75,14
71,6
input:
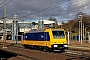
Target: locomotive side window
x,y
58,34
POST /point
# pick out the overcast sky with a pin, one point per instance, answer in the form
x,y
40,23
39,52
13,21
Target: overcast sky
x,y
34,9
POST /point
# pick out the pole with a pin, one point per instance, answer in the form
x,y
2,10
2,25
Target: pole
x,y
4,30
42,24
68,38
79,31
89,37
70,33
16,27
83,31
23,24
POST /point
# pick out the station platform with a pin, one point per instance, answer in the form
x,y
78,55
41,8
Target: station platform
x,y
76,45
85,43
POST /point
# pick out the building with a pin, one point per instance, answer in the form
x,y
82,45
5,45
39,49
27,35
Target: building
x,y
23,26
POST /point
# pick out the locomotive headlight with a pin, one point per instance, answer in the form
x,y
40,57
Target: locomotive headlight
x,y
55,45
65,45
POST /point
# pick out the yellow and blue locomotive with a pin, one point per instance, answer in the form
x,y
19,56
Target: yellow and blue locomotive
x,y
49,39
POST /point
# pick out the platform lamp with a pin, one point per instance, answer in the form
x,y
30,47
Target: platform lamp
x,y
81,27
79,30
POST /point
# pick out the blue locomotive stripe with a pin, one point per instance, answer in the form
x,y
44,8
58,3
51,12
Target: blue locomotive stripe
x,y
39,36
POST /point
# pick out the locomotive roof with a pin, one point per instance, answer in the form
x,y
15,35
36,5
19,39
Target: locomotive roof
x,y
34,31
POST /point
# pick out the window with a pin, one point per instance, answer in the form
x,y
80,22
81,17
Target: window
x,y
58,34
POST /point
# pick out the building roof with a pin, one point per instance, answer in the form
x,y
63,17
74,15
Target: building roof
x,y
46,21
10,21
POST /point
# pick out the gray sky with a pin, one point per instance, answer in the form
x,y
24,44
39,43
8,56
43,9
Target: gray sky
x,y
34,9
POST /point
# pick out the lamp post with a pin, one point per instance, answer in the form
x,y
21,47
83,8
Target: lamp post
x,y
79,30
81,27
83,31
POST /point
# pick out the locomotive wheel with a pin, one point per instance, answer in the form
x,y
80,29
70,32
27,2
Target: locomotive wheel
x,y
31,47
51,50
25,46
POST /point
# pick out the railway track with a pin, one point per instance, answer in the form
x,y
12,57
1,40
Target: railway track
x,y
70,53
77,54
18,54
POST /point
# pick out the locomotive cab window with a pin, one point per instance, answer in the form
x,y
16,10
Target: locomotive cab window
x,y
58,34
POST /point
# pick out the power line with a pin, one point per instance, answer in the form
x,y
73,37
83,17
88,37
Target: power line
x,y
81,7
31,5
44,9
71,8
2,2
47,6
6,3
18,12
26,7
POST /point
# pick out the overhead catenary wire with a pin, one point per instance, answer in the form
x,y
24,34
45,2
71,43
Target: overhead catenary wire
x,y
44,9
77,10
19,12
66,12
26,7
37,8
6,3
71,7
2,2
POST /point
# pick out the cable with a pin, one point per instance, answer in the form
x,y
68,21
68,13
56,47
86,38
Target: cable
x,y
80,7
6,3
2,2
46,7
37,8
24,8
72,7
